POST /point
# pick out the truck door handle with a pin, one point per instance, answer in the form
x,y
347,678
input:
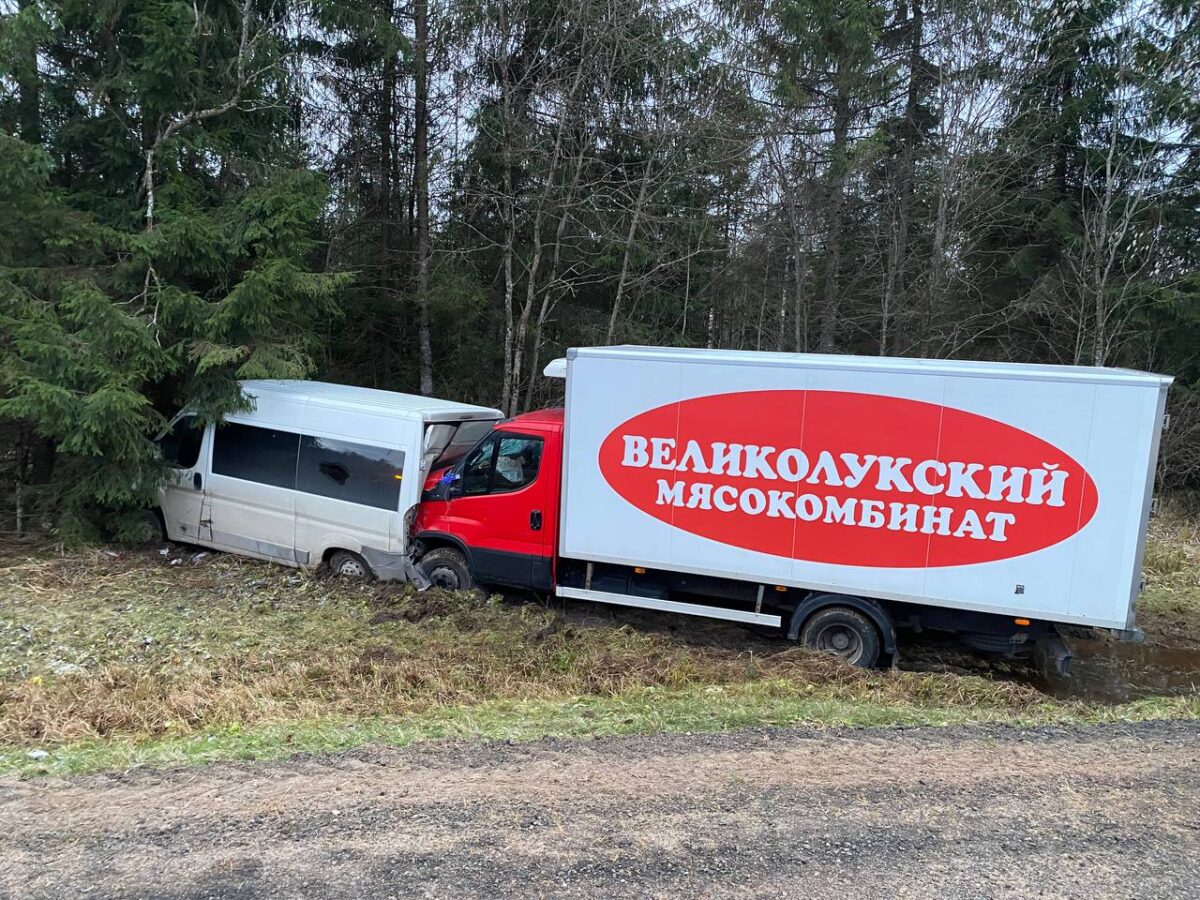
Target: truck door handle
x,y
197,481
535,520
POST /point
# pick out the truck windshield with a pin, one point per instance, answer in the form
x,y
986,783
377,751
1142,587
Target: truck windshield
x,y
448,442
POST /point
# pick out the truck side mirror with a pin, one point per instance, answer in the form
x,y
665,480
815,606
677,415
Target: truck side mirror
x,y
451,484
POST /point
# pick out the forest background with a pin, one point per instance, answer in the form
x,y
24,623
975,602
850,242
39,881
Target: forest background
x,y
440,196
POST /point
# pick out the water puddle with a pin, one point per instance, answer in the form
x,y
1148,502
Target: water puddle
x,y
1114,672
1102,671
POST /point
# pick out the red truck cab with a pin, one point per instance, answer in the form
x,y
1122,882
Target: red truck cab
x,y
492,518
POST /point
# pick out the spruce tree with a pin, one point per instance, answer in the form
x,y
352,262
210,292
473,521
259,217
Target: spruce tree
x,y
157,230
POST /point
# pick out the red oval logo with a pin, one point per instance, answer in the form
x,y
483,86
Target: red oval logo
x,y
848,478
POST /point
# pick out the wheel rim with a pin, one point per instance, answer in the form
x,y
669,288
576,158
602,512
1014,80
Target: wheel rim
x,y
444,577
352,568
840,640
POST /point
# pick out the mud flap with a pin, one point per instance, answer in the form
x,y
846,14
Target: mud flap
x,y
414,575
1053,657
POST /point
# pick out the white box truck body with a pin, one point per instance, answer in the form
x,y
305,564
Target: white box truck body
x,y
1019,490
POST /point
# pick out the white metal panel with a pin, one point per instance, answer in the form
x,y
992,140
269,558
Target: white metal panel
x,y
323,522
1103,419
601,397
429,409
1061,414
1107,560
878,364
687,609
701,381
181,504
909,582
273,411
253,518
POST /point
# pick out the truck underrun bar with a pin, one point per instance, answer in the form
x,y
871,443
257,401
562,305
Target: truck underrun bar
x,y
687,609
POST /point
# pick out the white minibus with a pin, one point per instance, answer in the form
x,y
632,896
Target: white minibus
x,y
313,473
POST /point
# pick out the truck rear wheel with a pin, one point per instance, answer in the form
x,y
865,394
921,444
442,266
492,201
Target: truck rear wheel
x,y
447,568
844,632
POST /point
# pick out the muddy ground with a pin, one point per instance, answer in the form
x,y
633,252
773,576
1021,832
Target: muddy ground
x,y
981,811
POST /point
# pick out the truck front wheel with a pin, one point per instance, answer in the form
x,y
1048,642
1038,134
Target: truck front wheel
x,y
844,632
447,568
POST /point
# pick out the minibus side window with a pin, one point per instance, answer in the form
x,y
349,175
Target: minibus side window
x,y
356,473
181,445
264,455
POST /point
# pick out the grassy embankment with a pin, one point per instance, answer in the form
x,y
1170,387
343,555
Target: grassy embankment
x,y
115,659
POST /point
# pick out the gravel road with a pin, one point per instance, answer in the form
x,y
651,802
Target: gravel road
x,y
1091,812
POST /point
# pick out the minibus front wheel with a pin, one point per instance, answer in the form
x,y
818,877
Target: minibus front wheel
x,y
348,565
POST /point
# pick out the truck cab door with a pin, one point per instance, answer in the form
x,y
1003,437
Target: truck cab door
x,y
185,446
499,509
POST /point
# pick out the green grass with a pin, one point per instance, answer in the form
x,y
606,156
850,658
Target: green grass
x,y
114,659
644,711
1169,608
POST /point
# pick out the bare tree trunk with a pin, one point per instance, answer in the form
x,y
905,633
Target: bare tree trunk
x,y
421,177
551,285
535,261
827,334
799,299
551,290
630,235
387,172
895,283
787,178
762,305
687,290
509,241
508,211
176,125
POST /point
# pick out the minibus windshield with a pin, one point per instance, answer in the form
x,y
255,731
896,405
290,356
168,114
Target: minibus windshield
x,y
448,442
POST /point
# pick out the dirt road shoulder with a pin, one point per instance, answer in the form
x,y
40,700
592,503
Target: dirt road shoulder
x,y
974,811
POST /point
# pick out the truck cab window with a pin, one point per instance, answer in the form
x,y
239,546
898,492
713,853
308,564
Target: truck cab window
x,y
181,445
517,463
502,463
477,470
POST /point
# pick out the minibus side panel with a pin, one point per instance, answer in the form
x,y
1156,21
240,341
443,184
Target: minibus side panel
x,y
250,490
344,469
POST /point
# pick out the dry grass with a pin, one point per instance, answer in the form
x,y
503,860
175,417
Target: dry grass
x,y
127,645
1169,609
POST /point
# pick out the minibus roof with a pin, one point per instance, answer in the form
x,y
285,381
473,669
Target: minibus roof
x,y
428,409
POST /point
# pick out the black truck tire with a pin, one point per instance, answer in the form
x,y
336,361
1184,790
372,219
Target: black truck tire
x,y
844,632
447,568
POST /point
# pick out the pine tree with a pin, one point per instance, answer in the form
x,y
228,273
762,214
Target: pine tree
x,y
158,234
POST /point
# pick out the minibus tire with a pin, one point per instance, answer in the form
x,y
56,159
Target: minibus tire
x,y
345,564
154,527
448,569
844,632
